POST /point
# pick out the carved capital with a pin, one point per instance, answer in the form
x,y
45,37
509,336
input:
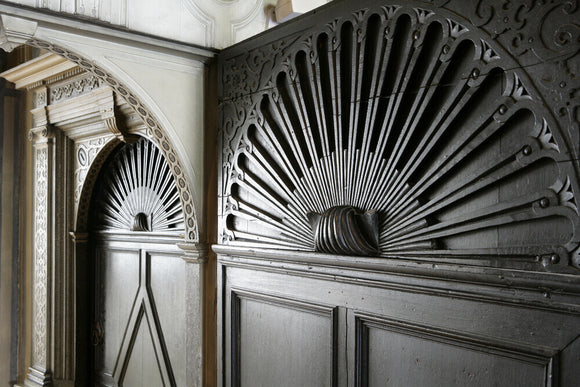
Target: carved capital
x,y
39,113
15,31
41,134
194,252
106,101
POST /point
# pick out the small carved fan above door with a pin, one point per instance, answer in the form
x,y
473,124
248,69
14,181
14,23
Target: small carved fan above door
x,y
138,192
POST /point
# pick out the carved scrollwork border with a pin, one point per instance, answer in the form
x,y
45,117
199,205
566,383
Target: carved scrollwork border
x,y
40,273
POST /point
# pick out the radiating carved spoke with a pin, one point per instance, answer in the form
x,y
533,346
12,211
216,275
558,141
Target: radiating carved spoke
x,y
140,192
424,120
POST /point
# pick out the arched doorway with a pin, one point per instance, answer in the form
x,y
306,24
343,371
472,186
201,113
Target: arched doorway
x,y
137,280
66,157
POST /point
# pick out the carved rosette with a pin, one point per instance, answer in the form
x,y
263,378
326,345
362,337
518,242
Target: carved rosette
x,y
417,113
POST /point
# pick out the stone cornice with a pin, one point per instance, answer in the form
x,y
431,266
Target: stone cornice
x,y
52,20
35,71
15,31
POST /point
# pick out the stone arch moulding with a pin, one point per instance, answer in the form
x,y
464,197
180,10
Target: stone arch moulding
x,y
156,132
455,124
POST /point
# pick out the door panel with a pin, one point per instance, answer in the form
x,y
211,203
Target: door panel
x,y
143,366
139,289
140,305
116,285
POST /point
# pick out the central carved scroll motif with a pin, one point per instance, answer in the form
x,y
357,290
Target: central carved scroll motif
x,y
345,230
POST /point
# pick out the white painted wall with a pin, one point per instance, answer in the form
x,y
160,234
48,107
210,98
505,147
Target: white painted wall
x,y
209,23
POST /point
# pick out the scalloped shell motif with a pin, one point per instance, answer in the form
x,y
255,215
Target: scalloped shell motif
x,y
410,114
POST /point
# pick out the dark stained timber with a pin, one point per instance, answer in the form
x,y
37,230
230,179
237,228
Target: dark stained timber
x,y
425,116
139,192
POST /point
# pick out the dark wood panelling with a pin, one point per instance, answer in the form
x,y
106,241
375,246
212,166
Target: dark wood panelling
x,y
489,331
139,318
395,353
269,331
413,165
408,111
168,289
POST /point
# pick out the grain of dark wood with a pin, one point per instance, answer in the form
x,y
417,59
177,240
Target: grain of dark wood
x,y
455,122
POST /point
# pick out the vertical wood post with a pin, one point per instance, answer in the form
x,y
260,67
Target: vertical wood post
x,y
196,259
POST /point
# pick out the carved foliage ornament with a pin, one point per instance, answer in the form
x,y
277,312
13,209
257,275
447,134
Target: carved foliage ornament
x,y
409,111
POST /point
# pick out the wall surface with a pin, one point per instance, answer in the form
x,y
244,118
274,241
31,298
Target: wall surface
x,y
208,23
9,223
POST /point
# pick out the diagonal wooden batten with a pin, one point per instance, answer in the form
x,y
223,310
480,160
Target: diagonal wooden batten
x,y
264,196
302,188
428,141
281,114
440,168
266,241
325,112
269,222
478,182
280,187
259,190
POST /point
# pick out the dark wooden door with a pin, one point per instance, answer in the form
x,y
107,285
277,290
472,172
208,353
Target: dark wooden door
x,y
138,312
398,197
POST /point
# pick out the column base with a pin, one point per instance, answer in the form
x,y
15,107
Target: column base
x,y
38,377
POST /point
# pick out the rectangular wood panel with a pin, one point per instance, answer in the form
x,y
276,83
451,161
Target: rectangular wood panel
x,y
394,353
139,332
282,342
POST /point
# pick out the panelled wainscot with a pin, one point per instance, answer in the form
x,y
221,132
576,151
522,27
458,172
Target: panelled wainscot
x,y
398,197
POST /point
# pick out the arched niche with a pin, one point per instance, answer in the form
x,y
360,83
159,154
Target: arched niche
x,y
58,259
156,132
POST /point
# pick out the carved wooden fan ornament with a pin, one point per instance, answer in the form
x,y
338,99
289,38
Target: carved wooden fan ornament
x,y
397,110
139,192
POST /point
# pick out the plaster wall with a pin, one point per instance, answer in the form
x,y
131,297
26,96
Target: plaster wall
x,y
209,23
